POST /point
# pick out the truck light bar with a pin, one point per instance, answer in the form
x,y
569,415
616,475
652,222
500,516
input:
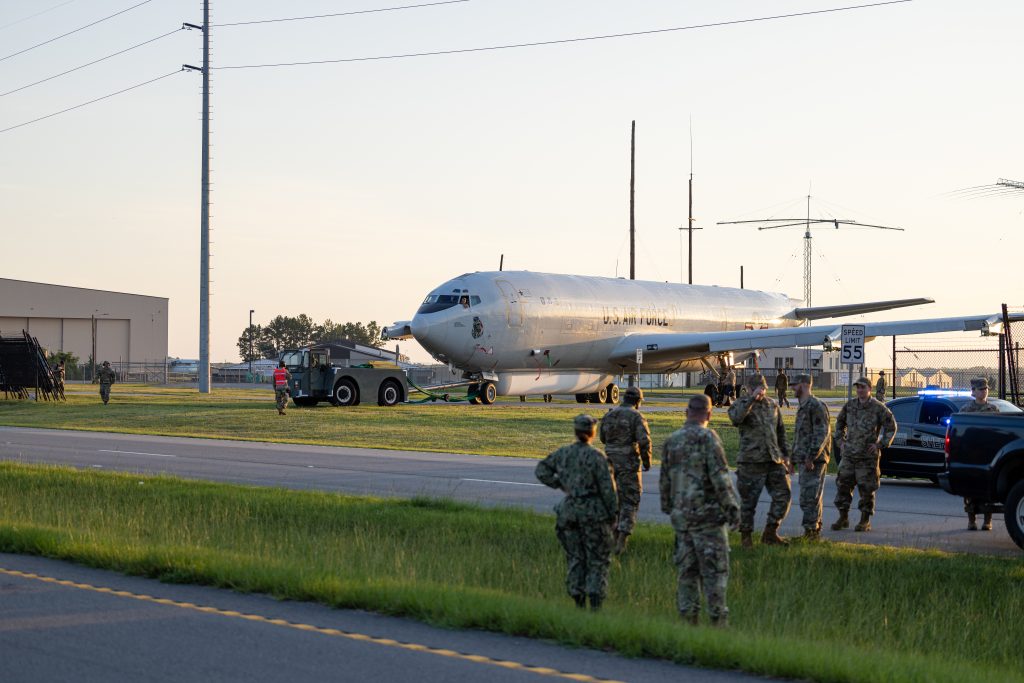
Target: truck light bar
x,y
943,392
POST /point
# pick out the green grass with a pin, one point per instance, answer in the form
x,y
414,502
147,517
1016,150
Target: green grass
x,y
510,428
826,612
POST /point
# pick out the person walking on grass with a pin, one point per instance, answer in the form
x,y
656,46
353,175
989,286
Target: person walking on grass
x,y
980,404
812,445
763,461
585,516
880,386
106,377
698,496
864,427
282,378
627,440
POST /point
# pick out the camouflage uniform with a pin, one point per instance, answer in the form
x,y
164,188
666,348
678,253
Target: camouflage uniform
x,y
763,457
812,442
857,427
971,507
698,495
584,517
880,387
781,387
106,377
627,440
59,375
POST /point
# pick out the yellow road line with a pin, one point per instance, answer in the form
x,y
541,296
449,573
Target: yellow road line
x,y
387,642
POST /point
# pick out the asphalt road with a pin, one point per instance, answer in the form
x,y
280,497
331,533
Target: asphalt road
x,y
62,622
911,514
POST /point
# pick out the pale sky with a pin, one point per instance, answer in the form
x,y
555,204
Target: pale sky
x,y
348,191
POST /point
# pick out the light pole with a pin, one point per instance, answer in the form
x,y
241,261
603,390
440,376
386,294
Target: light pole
x,y
251,311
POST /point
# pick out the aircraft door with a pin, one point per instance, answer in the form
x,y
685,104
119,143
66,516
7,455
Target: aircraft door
x,y
513,303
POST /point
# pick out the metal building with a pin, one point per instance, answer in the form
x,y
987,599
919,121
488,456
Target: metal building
x,y
125,328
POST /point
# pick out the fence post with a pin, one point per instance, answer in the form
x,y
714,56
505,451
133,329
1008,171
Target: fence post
x,y
1002,366
892,379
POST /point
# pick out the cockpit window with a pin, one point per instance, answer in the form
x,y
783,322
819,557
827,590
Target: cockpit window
x,y
440,302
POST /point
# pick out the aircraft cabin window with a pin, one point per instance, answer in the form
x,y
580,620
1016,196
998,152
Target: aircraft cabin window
x,y
474,300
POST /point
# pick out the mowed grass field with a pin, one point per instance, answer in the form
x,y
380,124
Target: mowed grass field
x,y
509,428
823,612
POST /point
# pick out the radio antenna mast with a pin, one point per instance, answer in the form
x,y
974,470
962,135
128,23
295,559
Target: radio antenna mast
x,y
806,223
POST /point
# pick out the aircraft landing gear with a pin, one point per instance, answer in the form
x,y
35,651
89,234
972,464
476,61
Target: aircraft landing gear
x,y
612,394
473,391
488,393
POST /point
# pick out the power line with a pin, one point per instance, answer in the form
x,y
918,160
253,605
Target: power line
x,y
83,104
33,16
95,61
567,40
339,14
81,28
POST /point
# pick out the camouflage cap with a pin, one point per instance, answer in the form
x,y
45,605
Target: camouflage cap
x,y
979,383
755,381
583,423
801,379
634,393
863,380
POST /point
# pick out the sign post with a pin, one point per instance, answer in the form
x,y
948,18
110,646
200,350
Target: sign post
x,y
639,362
852,353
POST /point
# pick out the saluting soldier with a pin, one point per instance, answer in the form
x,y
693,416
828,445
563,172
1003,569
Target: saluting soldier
x,y
812,444
106,377
880,386
763,461
627,440
698,495
864,427
980,404
585,516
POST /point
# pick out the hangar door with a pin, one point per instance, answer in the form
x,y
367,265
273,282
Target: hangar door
x,y
112,340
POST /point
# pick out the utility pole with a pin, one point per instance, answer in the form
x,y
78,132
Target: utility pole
x,y
632,217
204,221
251,311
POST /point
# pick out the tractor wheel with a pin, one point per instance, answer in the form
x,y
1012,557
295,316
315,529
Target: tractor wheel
x,y
345,393
390,393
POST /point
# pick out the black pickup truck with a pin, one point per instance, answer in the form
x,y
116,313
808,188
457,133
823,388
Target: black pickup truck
x,y
985,462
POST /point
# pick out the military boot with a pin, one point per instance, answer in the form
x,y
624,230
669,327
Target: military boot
x,y
620,542
812,535
595,602
721,621
972,522
843,522
865,522
987,525
770,536
580,600
691,619
746,539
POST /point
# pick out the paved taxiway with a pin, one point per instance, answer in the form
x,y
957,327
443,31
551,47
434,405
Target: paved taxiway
x,y
912,514
62,622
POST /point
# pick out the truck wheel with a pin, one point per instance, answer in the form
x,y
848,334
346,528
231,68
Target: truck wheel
x,y
613,394
488,393
345,393
390,393
1013,513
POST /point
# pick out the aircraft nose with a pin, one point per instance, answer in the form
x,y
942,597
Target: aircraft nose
x,y
426,331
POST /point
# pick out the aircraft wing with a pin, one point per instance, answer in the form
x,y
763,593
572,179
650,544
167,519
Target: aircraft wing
x,y
682,346
818,312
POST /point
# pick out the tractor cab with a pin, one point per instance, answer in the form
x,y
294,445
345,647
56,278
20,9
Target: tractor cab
x,y
311,371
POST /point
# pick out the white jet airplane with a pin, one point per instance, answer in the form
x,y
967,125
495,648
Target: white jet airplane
x,y
523,333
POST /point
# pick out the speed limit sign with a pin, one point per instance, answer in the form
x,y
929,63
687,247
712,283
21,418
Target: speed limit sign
x,y
853,345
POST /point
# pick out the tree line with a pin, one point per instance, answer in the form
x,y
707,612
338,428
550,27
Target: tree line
x,y
288,332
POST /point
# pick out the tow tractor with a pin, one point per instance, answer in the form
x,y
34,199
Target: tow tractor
x,y
316,379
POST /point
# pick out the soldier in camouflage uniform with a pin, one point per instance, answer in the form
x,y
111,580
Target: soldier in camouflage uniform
x,y
60,373
106,377
812,445
880,386
781,387
627,440
763,460
698,495
585,516
980,404
864,427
